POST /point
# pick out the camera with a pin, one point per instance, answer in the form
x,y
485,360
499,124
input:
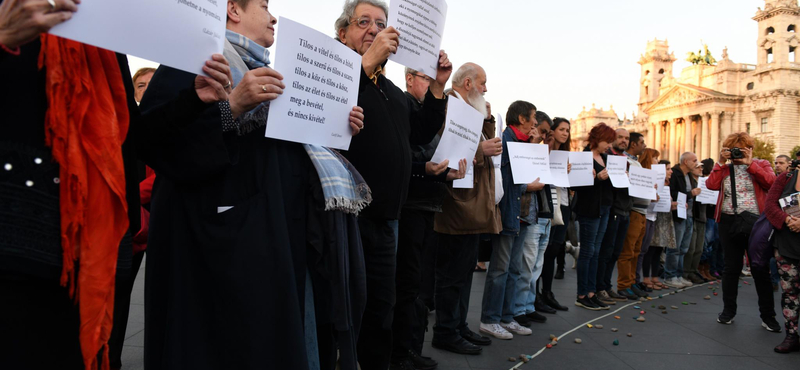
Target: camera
x,y
795,164
736,153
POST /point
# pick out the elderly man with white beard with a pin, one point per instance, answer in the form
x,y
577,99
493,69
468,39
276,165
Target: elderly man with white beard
x,y
466,213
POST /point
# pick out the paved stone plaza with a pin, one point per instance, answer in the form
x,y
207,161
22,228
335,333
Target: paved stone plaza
x,y
685,338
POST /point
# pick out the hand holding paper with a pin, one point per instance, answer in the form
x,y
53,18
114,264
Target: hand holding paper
x,y
529,162
617,171
682,205
581,173
462,133
421,26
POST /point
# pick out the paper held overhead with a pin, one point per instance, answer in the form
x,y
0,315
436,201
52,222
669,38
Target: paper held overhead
x,y
182,34
421,26
321,77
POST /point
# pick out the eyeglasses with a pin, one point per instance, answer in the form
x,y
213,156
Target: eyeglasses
x,y
365,22
424,77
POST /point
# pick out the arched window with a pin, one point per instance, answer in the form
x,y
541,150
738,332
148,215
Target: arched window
x,y
751,85
770,30
647,73
769,55
661,71
791,28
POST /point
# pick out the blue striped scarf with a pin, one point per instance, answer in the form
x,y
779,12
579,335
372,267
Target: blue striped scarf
x,y
343,187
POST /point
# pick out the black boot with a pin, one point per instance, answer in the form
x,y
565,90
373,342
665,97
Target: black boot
x,y
559,273
790,344
421,362
541,306
549,299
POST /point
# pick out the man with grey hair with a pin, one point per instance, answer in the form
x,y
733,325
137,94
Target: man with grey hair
x,y
681,182
382,154
466,213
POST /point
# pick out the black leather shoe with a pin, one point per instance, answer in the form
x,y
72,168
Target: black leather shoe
x,y
475,338
523,320
536,317
549,299
421,362
638,291
459,345
559,273
542,307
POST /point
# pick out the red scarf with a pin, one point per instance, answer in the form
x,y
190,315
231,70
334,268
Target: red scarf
x,y
85,126
520,136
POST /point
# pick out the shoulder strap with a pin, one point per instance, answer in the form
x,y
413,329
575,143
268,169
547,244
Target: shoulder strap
x,y
733,188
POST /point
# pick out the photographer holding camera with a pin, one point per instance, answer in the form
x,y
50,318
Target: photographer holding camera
x,y
743,183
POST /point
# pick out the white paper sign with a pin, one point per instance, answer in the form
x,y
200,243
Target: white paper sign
x,y
706,196
664,203
529,162
421,25
617,167
467,181
321,77
181,34
641,183
499,127
582,167
660,174
462,134
559,159
681,205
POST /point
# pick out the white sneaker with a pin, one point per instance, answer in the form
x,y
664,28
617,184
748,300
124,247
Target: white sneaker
x,y
674,283
686,283
496,331
516,328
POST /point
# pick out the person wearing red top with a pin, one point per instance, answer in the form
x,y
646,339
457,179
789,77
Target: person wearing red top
x,y
752,180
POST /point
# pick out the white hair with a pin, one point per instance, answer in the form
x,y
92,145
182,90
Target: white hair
x,y
349,11
468,70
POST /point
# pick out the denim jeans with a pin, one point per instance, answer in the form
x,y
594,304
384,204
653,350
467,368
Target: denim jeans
x,y
529,267
593,229
610,249
499,291
716,256
673,267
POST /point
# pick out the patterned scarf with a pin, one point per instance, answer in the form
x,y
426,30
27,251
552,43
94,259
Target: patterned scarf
x,y
252,54
85,125
344,188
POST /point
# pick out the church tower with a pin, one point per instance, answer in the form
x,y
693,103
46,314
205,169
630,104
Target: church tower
x,y
656,64
777,32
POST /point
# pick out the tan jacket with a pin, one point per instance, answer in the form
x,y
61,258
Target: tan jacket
x,y
472,211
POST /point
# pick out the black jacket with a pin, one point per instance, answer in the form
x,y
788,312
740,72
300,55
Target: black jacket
x,y
425,192
591,198
677,183
382,151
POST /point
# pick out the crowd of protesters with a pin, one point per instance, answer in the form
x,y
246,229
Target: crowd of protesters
x,y
359,245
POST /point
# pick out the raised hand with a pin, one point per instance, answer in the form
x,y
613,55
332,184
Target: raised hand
x,y
492,147
385,44
443,70
218,85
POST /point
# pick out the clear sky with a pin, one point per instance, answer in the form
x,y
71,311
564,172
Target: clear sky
x,y
564,55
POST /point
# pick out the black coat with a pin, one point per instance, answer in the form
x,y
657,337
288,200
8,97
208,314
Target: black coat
x,y
677,183
223,289
381,152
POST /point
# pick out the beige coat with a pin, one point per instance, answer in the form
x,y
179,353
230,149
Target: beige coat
x,y
472,211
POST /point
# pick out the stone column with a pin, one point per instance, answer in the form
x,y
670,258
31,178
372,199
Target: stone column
x,y
658,139
704,136
687,134
673,145
715,139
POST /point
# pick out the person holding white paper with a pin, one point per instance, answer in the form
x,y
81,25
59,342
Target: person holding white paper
x,y
555,254
79,128
382,154
417,241
692,259
647,159
220,214
681,182
499,294
593,208
466,214
528,306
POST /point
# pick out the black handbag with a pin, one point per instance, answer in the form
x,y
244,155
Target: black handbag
x,y
742,222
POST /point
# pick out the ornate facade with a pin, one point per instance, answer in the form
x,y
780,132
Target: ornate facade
x,y
697,110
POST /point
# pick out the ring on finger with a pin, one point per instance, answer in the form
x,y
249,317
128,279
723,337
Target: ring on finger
x,y
227,85
52,4
264,88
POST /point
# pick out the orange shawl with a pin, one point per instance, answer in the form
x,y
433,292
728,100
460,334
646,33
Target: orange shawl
x,y
85,126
